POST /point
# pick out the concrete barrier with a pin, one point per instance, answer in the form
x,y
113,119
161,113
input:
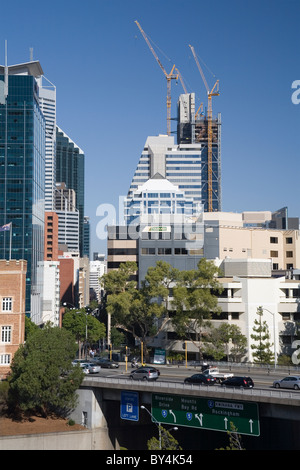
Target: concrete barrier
x,y
89,439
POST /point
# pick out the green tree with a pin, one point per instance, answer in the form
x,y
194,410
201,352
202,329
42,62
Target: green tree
x,y
117,337
195,300
84,327
239,343
30,327
235,442
262,349
43,379
142,312
226,340
167,441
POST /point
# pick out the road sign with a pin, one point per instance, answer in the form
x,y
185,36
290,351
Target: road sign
x,y
217,414
129,405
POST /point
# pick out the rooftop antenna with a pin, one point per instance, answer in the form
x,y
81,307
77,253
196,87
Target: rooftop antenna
x,y
31,54
5,72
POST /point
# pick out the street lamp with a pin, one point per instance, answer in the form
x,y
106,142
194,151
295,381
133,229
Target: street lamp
x,y
157,424
275,349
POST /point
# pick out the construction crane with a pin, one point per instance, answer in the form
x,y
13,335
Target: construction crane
x,y
214,92
181,80
169,76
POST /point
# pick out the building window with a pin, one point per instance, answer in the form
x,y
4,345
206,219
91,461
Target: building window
x,y
289,254
235,316
274,254
148,251
6,334
164,251
4,359
273,239
7,304
180,251
289,240
275,266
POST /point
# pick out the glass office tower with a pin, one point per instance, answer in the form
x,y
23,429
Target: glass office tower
x,y
22,176
70,170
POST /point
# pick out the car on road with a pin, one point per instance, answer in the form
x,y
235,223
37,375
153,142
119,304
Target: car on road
x,y
241,382
106,363
201,379
79,361
292,381
145,373
92,368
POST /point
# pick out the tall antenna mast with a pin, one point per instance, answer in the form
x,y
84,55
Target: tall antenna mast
x,y
31,54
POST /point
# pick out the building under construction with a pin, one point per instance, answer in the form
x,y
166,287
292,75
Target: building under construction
x,y
193,128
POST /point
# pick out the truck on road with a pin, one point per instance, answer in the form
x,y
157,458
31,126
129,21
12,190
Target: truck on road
x,y
214,372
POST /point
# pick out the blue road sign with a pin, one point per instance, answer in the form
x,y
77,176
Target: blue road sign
x,y
130,405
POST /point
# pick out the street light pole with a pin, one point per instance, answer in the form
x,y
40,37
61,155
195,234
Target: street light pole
x,y
157,424
274,333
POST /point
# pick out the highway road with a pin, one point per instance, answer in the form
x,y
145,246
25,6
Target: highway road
x,y
263,379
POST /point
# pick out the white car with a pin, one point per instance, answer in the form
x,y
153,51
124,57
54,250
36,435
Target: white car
x,y
92,368
292,381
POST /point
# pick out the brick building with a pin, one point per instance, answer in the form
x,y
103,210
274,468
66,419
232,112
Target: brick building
x,y
12,310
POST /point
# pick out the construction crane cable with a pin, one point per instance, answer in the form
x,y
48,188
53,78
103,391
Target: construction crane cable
x,y
169,77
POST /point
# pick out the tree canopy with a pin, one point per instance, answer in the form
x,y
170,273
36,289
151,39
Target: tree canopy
x,y
83,326
262,352
43,379
183,298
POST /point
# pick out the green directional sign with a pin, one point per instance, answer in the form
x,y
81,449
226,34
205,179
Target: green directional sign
x,y
206,413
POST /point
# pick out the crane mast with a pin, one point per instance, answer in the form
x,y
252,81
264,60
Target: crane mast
x,y
169,76
214,92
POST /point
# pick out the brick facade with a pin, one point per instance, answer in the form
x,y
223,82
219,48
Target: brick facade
x,y
12,311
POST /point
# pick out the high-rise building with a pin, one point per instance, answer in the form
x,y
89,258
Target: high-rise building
x,y
185,164
68,217
193,128
86,237
70,170
47,99
22,174
97,269
159,196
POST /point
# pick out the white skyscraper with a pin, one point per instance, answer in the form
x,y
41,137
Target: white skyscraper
x,y
47,98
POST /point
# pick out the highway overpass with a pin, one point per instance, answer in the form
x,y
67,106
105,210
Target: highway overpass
x,y
277,419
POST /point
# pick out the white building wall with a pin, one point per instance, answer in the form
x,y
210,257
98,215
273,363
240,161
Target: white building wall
x,y
47,99
97,269
51,293
68,229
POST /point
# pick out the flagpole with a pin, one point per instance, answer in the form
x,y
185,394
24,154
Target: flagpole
x,y
10,240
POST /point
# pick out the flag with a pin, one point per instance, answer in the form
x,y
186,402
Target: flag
x,y
6,227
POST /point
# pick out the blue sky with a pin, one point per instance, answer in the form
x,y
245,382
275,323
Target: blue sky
x,y
111,93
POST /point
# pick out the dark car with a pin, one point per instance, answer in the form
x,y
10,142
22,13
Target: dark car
x,y
145,373
107,363
201,379
242,382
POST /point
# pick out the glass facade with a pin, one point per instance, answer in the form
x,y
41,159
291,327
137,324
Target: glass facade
x,y
70,170
22,180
